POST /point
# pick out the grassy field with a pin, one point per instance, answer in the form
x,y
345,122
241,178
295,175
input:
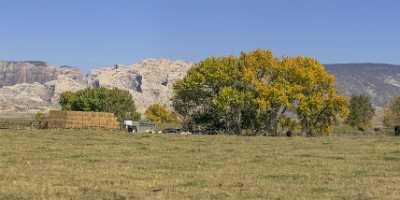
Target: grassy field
x,y
69,164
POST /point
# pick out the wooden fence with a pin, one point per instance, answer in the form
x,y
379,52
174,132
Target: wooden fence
x,y
17,123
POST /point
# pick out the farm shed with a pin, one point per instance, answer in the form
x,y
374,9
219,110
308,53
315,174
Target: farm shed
x,y
143,126
76,119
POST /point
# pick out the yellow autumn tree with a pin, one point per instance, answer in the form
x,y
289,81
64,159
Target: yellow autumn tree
x,y
265,77
314,95
256,90
160,114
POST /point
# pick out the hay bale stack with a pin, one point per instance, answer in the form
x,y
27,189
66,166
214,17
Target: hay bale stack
x,y
78,120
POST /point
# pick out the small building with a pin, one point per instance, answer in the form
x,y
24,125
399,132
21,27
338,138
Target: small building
x,y
139,126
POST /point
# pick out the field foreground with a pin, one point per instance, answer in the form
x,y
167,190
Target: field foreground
x,y
69,164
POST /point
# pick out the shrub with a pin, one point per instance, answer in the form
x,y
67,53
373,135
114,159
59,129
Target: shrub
x,y
40,119
160,115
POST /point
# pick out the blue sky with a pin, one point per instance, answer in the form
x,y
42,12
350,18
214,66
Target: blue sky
x,y
88,33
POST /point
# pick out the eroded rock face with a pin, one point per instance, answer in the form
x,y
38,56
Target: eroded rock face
x,y
121,77
62,84
12,73
71,72
25,97
149,81
136,82
36,86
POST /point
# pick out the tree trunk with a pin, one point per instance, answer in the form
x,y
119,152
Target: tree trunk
x,y
273,121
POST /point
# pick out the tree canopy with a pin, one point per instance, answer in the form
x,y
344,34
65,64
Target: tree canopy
x,y
361,111
160,114
117,101
392,113
255,91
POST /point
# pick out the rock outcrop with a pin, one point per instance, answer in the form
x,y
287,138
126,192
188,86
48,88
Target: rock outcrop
x,y
379,81
61,84
33,86
25,97
149,81
36,86
12,73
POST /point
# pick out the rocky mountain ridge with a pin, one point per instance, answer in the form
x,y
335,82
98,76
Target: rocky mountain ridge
x,y
379,81
33,86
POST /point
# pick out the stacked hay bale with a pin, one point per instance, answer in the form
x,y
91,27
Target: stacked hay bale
x,y
78,120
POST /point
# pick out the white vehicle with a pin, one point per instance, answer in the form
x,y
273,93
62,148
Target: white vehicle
x,y
128,123
139,126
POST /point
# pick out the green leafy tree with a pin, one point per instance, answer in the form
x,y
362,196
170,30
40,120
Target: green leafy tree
x,y
91,99
117,101
230,103
194,94
392,113
67,100
361,111
160,114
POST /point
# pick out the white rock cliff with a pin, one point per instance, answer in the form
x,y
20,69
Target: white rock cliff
x,y
35,86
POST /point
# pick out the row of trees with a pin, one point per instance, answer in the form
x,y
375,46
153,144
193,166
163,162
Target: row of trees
x,y
255,91
117,101
260,92
361,112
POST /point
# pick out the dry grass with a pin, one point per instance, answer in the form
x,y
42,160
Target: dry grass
x,y
69,164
